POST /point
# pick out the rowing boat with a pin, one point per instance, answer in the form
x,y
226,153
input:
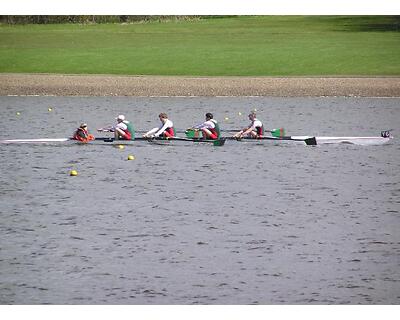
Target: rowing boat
x,y
157,140
308,140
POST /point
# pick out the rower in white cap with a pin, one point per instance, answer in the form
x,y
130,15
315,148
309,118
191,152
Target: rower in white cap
x,y
123,130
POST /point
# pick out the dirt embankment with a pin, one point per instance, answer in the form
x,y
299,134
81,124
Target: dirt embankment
x,y
106,85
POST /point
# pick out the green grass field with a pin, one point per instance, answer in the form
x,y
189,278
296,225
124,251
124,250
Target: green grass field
x,y
234,46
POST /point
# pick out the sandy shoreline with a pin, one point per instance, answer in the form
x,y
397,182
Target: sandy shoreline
x,y
109,85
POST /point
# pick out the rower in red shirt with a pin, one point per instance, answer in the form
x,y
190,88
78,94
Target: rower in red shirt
x,y
82,134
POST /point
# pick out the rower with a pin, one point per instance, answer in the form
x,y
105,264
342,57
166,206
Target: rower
x,y
165,130
123,130
255,129
209,128
82,134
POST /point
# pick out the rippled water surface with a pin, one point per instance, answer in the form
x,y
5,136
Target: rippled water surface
x,y
246,223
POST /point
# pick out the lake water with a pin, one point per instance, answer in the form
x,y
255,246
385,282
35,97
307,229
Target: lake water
x,y
245,223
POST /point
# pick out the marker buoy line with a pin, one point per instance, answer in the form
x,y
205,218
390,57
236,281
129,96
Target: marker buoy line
x,y
73,173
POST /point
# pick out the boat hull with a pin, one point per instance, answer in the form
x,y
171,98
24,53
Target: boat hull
x,y
361,141
56,140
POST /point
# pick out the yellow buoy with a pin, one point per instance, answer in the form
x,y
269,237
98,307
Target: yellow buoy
x,y
73,173
131,157
226,118
18,113
239,113
120,146
50,109
255,110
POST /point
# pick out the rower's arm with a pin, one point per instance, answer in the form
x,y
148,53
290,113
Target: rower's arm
x,y
248,130
199,126
206,125
159,131
152,131
107,129
239,134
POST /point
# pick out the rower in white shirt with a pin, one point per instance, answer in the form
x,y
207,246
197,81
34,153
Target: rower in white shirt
x,y
123,130
166,129
209,128
254,130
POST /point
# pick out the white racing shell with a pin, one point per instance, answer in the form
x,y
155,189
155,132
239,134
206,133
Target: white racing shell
x,y
361,141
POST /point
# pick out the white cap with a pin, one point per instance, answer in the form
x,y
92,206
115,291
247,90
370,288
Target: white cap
x,y
120,117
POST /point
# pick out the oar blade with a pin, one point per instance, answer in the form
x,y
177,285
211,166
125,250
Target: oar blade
x,y
311,141
219,142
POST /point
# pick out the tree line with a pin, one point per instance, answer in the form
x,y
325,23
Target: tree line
x,y
85,19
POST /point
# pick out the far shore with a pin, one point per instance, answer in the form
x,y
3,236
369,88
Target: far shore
x,y
172,86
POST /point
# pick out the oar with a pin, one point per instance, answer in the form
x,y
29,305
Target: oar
x,y
105,129
310,141
280,132
218,142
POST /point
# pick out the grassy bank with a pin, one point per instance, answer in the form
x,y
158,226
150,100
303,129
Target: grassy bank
x,y
244,46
